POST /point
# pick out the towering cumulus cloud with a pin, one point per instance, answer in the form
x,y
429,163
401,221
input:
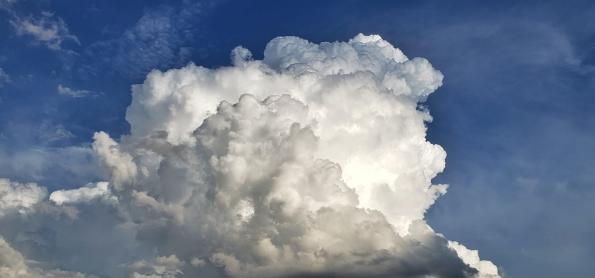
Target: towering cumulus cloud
x,y
311,162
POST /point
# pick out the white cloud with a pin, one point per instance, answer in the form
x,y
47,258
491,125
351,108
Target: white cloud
x,y
313,160
69,92
381,146
471,258
120,165
47,29
98,191
322,136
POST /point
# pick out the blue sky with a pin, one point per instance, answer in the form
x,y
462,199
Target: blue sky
x,y
514,114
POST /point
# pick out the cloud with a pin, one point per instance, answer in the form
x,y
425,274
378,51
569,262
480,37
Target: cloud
x,y
84,194
119,164
7,4
36,235
20,198
471,258
160,38
47,29
51,166
361,71
4,78
312,161
165,267
51,133
14,265
69,92
285,144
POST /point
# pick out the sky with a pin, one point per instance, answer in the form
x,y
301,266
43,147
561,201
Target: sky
x,y
512,113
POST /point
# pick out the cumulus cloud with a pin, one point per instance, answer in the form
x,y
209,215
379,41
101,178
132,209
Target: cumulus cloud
x,y
381,146
47,29
312,161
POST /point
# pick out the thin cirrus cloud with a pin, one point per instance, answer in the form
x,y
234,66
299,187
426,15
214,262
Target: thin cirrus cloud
x,y
162,37
47,29
312,161
4,78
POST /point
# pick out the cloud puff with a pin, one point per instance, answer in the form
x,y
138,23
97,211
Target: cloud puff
x,y
312,161
45,29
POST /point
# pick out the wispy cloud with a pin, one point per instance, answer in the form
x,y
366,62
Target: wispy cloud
x,y
69,92
4,78
162,37
47,29
51,133
5,4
